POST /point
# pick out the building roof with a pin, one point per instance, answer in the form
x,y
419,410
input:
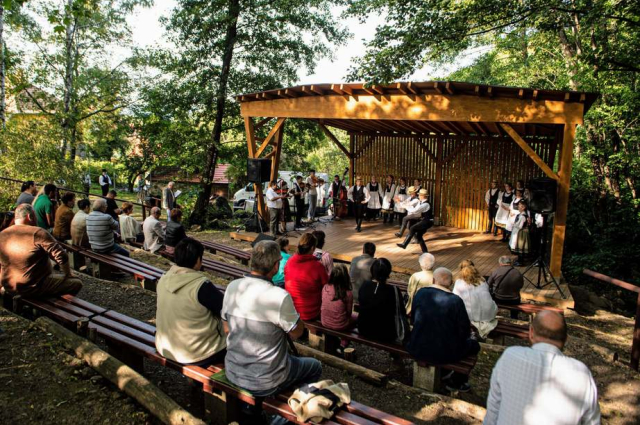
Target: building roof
x,y
175,174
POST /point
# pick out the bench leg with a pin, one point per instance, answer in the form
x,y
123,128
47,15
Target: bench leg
x,y
221,409
149,284
7,301
331,344
426,377
134,361
496,340
76,261
316,341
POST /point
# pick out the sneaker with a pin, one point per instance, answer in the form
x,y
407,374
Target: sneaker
x,y
464,388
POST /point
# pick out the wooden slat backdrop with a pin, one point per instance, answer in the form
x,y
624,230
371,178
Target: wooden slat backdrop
x,y
474,162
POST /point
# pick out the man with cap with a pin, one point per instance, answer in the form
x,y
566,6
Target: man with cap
x,y
410,205
359,195
426,221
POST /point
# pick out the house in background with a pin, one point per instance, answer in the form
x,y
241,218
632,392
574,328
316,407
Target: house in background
x,y
183,180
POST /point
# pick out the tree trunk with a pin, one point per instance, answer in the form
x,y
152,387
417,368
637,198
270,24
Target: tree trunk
x,y
68,80
200,210
3,104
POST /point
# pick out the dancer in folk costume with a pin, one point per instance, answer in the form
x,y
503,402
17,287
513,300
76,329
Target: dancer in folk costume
x,y
491,199
387,199
359,195
526,194
504,209
520,240
513,209
401,195
417,185
375,203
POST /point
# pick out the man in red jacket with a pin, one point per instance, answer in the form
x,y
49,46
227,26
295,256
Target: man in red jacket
x,y
304,278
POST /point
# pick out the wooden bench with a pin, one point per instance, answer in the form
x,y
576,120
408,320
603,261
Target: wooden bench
x,y
214,247
215,266
426,376
131,341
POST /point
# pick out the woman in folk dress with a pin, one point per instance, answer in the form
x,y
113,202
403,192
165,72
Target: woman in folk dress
x,y
387,199
374,205
513,209
520,241
401,194
504,208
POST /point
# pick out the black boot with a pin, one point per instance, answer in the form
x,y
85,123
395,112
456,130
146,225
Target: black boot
x,y
404,244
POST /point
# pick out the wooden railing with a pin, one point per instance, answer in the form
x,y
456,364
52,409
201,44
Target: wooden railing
x,y
142,206
635,346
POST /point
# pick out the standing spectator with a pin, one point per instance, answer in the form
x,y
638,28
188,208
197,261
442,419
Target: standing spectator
x,y
360,270
505,284
174,232
312,187
64,217
100,230
188,325
474,292
540,385
168,199
421,279
278,278
25,254
322,256
441,328
337,301
28,193
378,304
304,278
79,224
105,181
129,226
44,207
112,206
259,319
274,203
86,184
153,232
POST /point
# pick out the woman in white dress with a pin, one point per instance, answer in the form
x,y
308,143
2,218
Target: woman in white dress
x,y
513,209
387,199
474,291
504,208
401,194
520,240
374,205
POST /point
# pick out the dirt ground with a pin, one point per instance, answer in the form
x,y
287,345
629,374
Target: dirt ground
x,y
594,335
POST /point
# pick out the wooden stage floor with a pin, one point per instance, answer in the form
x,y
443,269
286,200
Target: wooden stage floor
x,y
448,244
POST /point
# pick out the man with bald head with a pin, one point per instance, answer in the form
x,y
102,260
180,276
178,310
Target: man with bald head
x,y
153,231
540,385
441,328
101,230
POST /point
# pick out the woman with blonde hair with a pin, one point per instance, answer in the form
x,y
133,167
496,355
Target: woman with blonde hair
x,y
474,291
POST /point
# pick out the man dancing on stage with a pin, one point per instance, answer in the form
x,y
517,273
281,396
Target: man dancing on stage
x,y
359,195
420,228
410,205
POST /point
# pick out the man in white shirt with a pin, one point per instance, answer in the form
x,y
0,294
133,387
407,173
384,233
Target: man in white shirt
x,y
417,230
312,184
105,182
415,207
153,232
540,385
274,202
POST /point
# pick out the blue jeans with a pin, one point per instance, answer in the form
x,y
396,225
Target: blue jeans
x,y
117,249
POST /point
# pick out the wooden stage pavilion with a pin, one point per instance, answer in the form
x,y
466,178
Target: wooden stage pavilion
x,y
455,137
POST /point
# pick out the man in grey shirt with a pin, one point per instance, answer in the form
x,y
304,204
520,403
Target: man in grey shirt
x,y
258,318
360,270
101,228
29,191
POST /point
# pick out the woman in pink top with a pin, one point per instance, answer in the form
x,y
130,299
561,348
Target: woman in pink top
x,y
337,300
322,256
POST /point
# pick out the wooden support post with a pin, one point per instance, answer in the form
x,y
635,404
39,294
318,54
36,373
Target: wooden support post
x,y
76,260
221,409
275,160
316,341
532,154
562,204
426,377
150,284
437,198
352,160
104,271
253,151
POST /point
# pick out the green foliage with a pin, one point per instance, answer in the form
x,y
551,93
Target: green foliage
x,y
329,158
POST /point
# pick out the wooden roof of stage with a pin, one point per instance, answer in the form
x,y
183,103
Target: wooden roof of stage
x,y
432,107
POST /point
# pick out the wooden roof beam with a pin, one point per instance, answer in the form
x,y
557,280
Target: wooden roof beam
x,y
437,87
490,91
334,140
458,127
529,151
317,90
270,137
401,89
413,88
449,88
478,91
347,89
535,94
477,128
336,89
449,127
483,128
521,94
378,89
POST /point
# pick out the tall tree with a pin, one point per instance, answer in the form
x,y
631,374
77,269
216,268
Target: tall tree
x,y
227,47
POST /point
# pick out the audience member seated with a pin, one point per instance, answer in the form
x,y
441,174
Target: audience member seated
x,y
474,292
129,226
79,235
188,325
505,284
175,230
304,278
360,270
441,328
112,206
45,208
540,385
337,300
153,232
378,304
25,254
278,279
101,228
28,193
259,318
420,279
64,217
322,256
